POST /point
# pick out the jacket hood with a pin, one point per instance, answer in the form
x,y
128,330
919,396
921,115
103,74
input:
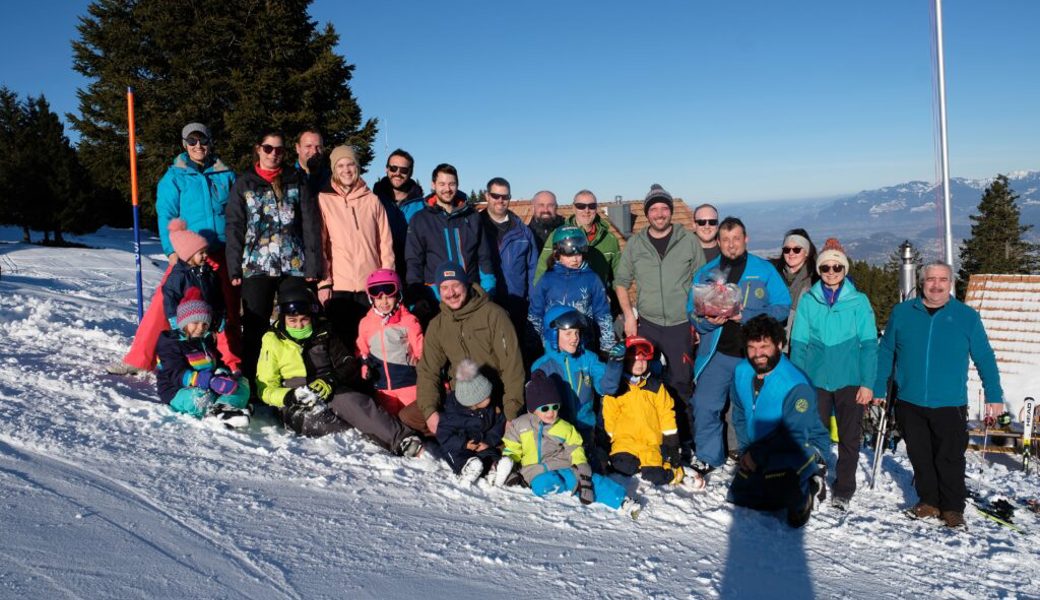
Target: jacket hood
x,y
384,189
848,292
463,210
549,338
358,190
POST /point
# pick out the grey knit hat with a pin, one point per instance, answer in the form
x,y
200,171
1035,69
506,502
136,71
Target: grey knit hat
x,y
471,388
655,195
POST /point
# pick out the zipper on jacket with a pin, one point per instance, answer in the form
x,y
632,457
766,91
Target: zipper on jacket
x,y
928,356
353,213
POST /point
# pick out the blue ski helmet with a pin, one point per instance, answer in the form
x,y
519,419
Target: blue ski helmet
x,y
570,241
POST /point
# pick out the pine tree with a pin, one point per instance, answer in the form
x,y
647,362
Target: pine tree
x,y
239,66
881,286
996,245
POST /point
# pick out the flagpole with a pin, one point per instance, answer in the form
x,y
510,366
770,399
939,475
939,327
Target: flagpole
x,y
944,151
133,200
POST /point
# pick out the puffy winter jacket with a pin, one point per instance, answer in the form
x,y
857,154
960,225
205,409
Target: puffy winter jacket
x,y
286,363
579,377
436,236
515,260
580,289
196,194
459,425
638,418
398,214
479,330
268,236
781,417
764,292
355,236
390,347
931,354
836,345
604,253
663,283
181,277
180,357
540,448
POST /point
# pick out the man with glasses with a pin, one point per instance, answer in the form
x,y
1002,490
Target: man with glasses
x,y
515,253
544,217
721,348
661,260
402,197
604,249
706,223
195,188
310,158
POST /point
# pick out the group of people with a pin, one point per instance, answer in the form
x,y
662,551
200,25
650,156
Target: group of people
x,y
541,353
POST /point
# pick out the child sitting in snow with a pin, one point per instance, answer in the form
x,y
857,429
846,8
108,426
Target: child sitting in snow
x,y
640,421
471,427
390,341
549,451
191,377
194,269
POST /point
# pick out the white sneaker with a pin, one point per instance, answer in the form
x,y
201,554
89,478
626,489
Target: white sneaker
x,y
471,471
503,469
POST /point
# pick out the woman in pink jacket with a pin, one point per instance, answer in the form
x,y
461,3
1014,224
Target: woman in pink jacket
x,y
356,240
390,341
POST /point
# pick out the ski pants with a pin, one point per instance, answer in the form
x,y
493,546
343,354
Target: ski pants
x,y
563,481
842,403
258,294
628,465
709,401
344,311
457,460
775,485
196,401
349,410
141,354
936,439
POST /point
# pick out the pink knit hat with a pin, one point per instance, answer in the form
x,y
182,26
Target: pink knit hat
x,y
185,243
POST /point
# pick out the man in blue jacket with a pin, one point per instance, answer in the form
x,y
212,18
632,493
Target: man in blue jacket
x,y
782,441
721,347
930,339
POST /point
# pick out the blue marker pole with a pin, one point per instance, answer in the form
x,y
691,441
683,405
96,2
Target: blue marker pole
x,y
133,200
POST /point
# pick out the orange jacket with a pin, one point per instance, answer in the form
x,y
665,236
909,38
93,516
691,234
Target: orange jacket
x,y
356,236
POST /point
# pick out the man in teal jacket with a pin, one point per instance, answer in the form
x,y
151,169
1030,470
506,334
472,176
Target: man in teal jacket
x,y
930,340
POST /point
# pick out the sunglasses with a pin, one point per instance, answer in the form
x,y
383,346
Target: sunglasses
x,y
495,196
706,222
585,206
397,169
383,289
269,149
794,250
829,268
548,408
195,141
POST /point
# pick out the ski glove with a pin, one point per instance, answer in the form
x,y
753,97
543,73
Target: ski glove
x,y
585,492
302,397
617,351
670,450
222,385
321,388
200,379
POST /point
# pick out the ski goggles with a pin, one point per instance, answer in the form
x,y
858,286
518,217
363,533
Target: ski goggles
x,y
548,408
383,289
639,348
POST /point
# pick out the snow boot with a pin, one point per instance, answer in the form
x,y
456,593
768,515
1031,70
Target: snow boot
x,y
503,469
121,368
923,511
953,519
228,416
840,503
471,471
798,516
410,447
701,467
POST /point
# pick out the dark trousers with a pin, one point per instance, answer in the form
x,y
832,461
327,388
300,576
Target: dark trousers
x,y
850,434
258,293
676,345
936,439
344,311
348,410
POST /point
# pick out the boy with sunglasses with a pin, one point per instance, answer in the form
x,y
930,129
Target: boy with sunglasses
x,y
390,342
549,451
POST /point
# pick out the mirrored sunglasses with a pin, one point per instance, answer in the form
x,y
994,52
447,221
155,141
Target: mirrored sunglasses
x,y
548,408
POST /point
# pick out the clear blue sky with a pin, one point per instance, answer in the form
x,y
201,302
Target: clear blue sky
x,y
717,101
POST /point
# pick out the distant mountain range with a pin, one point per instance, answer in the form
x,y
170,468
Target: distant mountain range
x,y
872,223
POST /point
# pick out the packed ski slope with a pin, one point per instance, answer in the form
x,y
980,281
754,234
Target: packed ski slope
x,y
105,494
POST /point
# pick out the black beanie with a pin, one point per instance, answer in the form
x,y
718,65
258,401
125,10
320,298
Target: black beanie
x,y
540,391
655,195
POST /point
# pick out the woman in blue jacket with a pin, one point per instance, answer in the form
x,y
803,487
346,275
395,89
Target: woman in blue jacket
x,y
834,340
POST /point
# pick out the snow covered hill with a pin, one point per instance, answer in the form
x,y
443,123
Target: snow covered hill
x,y
105,494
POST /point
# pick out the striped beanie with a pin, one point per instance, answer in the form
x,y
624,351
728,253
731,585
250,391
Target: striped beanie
x,y
193,309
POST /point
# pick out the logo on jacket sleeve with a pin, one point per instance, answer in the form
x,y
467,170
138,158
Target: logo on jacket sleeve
x,y
801,405
760,293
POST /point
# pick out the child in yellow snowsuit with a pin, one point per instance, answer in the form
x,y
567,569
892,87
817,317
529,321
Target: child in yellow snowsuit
x,y
640,422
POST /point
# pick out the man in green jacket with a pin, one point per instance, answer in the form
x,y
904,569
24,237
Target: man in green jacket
x,y
661,260
604,249
930,340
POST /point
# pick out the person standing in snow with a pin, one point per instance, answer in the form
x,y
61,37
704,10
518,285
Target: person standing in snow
x,y
782,442
925,349
402,197
834,341
194,188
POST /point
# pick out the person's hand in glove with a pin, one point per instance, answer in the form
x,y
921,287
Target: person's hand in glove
x,y
223,385
670,450
616,352
585,492
321,388
199,379
302,397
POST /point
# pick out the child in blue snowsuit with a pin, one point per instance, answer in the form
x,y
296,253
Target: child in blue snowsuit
x,y
191,376
471,426
549,451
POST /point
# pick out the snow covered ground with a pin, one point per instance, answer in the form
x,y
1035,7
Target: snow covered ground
x,y
105,494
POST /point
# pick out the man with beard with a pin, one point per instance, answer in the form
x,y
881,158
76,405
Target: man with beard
x,y
782,441
661,260
544,219
402,197
604,249
721,349
930,340
310,158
